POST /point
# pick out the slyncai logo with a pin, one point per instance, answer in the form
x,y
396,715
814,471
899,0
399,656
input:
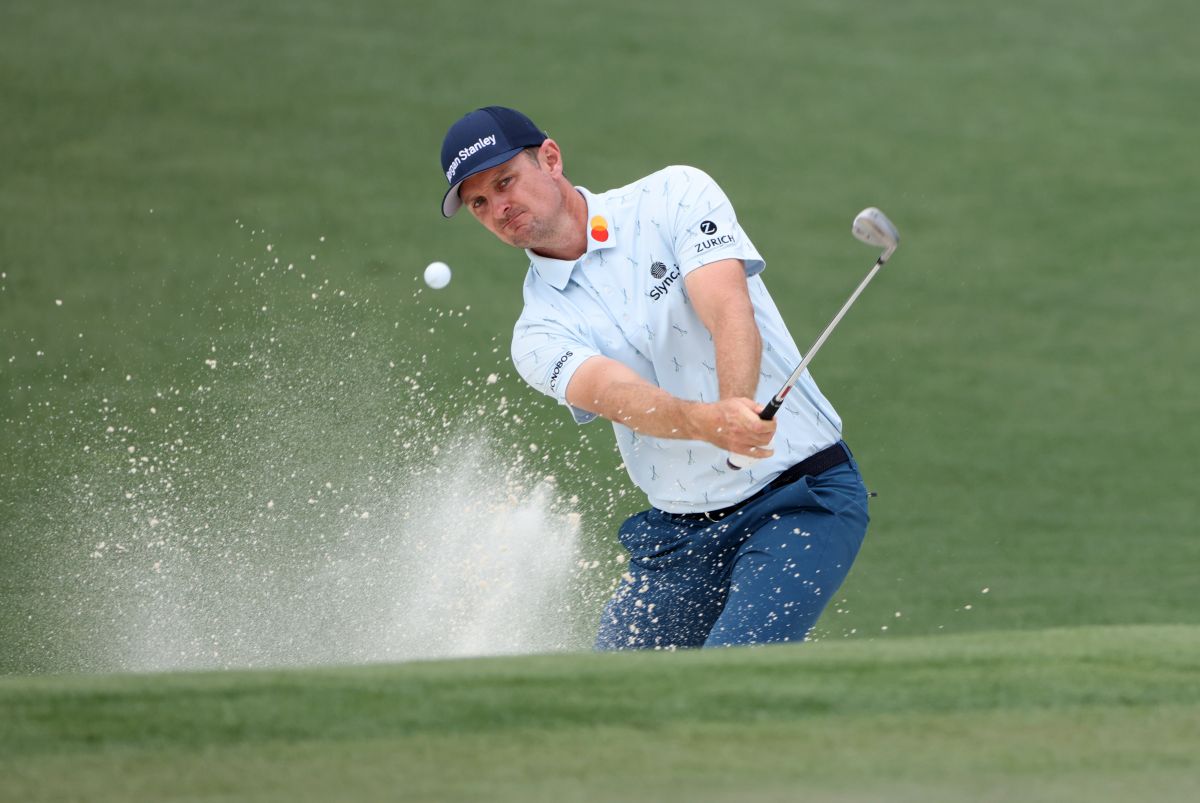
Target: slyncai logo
x,y
658,270
659,290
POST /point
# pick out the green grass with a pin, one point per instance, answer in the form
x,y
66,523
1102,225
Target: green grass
x,y
1019,387
1085,714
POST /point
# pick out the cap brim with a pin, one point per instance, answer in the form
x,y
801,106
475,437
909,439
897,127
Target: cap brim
x,y
451,202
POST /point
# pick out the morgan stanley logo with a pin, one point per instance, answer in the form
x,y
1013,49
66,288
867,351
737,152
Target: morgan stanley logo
x,y
658,270
558,366
708,227
470,150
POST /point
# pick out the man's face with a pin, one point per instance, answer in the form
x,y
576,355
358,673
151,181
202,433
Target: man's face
x,y
519,201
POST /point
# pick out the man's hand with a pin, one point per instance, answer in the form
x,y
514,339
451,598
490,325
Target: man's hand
x,y
733,425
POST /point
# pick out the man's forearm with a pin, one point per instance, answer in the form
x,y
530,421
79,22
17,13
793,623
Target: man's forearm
x,y
644,408
738,347
721,297
606,387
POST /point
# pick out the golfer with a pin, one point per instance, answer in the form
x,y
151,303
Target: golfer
x,y
644,305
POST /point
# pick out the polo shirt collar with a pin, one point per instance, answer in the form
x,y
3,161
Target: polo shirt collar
x,y
600,235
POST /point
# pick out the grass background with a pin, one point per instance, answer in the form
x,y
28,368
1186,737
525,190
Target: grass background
x,y
1018,385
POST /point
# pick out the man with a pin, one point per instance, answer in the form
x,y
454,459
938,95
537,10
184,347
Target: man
x,y
643,305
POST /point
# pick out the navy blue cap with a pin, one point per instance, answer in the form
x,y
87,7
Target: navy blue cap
x,y
481,140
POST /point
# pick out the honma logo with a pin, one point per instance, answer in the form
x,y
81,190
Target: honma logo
x,y
658,270
708,227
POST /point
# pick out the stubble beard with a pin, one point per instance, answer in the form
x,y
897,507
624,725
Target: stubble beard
x,y
533,232
540,231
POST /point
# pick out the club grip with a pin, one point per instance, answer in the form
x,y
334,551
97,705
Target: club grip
x,y
772,407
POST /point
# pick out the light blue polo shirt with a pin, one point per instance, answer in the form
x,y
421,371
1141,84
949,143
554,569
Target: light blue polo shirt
x,y
625,299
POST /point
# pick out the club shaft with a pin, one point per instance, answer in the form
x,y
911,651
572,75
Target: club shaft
x,y
776,402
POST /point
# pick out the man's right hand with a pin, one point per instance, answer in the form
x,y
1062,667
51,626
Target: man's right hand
x,y
733,425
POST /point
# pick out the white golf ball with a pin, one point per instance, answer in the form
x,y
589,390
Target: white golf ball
x,y
437,275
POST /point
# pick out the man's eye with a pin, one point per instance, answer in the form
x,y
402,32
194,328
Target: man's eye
x,y
504,182
478,202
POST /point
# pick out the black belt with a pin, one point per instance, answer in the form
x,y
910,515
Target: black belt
x,y
810,466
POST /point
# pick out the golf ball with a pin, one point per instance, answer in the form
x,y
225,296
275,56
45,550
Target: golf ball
x,y
437,275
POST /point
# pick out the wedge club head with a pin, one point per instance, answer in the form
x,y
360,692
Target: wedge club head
x,y
873,228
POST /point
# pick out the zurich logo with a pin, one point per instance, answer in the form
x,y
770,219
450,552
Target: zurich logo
x,y
708,227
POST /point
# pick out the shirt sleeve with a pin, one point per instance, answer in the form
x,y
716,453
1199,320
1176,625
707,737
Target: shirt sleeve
x,y
547,351
704,226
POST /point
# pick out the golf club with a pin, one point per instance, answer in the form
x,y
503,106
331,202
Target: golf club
x,y
873,228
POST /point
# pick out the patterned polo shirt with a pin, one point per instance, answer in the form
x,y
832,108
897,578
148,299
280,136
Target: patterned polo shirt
x,y
625,299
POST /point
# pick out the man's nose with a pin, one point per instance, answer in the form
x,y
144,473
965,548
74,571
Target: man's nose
x,y
500,209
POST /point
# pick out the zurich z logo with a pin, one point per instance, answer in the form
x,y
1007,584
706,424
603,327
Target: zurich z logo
x,y
708,228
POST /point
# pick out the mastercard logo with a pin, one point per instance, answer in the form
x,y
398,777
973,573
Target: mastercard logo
x,y
599,228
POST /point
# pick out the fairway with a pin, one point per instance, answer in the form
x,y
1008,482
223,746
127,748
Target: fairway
x,y
1066,715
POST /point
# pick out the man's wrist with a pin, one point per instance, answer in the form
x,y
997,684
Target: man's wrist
x,y
691,415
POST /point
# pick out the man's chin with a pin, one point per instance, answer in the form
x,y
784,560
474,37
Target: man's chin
x,y
522,238
524,232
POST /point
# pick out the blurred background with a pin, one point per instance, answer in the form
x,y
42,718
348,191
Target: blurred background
x,y
237,430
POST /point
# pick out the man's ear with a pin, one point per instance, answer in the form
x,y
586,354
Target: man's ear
x,y
551,157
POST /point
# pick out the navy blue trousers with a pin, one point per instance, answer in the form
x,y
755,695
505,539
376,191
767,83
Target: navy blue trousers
x,y
761,575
